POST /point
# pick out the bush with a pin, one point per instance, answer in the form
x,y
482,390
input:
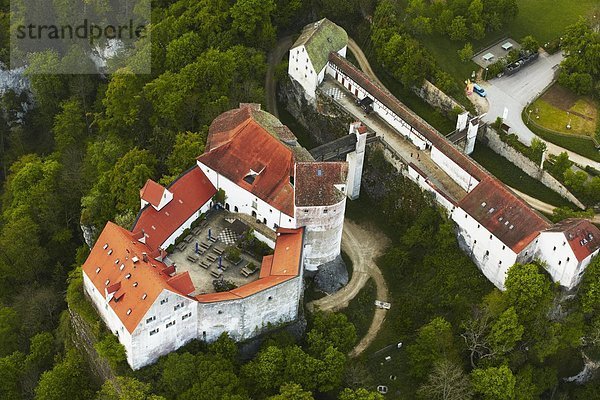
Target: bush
x,y
233,254
110,349
223,285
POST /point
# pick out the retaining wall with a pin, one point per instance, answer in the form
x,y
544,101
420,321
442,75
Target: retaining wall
x,y
494,142
437,99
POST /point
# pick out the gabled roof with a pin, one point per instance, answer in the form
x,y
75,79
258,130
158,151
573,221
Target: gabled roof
x,y
248,140
152,193
283,265
190,192
504,214
581,234
426,130
134,285
319,38
315,183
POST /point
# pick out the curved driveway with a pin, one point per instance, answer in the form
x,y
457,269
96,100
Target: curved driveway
x,y
363,244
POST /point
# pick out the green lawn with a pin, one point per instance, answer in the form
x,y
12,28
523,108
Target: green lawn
x,y
580,145
550,117
511,175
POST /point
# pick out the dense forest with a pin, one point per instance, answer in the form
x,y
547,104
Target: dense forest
x,y
75,153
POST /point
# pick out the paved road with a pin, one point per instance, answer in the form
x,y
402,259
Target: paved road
x,y
274,58
363,244
517,91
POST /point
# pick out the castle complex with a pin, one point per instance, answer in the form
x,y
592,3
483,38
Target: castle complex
x,y
495,227
160,284
155,305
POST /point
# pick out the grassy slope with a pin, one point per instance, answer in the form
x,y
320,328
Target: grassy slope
x,y
511,175
361,309
555,119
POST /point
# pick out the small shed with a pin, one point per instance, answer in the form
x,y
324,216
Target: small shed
x,y
507,46
488,57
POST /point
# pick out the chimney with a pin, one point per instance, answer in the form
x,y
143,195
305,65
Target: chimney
x,y
145,257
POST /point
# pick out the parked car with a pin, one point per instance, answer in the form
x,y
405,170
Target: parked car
x,y
479,90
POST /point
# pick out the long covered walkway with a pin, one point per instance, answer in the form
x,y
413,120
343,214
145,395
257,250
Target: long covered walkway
x,y
402,146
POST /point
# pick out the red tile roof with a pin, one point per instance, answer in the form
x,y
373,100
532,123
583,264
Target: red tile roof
x,y
315,183
283,265
136,285
152,192
504,214
237,143
581,234
190,192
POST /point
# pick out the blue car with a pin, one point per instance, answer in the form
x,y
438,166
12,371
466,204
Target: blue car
x,y
479,90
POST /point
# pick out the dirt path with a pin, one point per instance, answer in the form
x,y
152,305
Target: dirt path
x,y
535,203
363,244
274,58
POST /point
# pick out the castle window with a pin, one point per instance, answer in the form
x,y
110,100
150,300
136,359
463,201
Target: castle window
x,y
487,252
564,243
478,226
270,298
153,331
499,262
165,300
554,248
220,312
568,258
178,306
503,247
490,237
152,318
560,262
325,211
170,324
186,316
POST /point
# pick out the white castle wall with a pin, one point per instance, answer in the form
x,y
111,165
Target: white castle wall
x,y
355,163
248,317
323,237
489,253
244,202
147,348
458,175
110,318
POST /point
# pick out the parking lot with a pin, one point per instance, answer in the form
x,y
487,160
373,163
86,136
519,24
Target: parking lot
x,y
497,50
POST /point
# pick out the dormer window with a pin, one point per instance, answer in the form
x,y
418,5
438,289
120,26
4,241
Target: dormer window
x,y
129,311
122,267
144,296
127,276
110,252
105,246
135,284
98,270
107,282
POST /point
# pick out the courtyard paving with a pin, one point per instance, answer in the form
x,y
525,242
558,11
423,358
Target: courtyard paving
x,y
204,250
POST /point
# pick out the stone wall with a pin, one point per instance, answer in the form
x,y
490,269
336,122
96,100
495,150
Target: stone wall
x,y
325,123
439,100
494,142
84,341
